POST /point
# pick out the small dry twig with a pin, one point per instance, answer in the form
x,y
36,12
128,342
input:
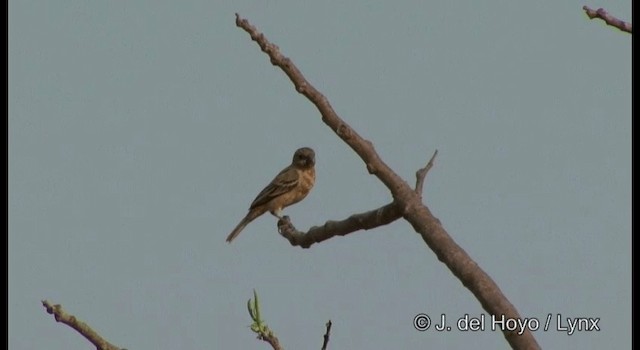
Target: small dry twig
x,y
607,18
422,173
81,327
326,336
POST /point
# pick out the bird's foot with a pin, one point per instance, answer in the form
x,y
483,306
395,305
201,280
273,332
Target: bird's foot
x,y
283,220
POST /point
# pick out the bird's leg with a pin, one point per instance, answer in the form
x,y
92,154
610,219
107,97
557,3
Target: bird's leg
x,y
277,213
283,220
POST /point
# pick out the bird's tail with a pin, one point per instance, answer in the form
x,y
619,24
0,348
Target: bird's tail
x,y
244,222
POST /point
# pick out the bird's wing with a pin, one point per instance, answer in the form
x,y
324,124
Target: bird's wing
x,y
286,180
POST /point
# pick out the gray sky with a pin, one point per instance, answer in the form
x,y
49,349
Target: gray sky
x,y
140,131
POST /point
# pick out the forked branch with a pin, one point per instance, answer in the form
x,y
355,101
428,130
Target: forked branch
x,y
406,200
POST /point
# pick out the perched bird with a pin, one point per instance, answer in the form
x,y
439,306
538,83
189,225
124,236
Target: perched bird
x,y
290,186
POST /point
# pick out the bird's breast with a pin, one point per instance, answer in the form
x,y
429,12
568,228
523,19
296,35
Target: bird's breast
x,y
306,179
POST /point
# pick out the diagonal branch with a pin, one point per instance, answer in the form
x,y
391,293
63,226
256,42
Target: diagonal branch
x,y
607,18
362,147
81,327
405,199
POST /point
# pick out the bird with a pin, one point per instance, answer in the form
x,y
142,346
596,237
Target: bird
x,y
290,186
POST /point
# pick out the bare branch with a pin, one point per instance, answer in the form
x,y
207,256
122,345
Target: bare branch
x,y
81,327
405,200
607,18
422,173
362,221
326,336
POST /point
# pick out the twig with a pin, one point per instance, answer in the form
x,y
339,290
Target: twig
x,y
422,173
607,18
271,339
326,336
81,327
362,221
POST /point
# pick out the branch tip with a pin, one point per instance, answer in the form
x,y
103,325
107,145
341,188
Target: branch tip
x,y
421,174
92,336
607,18
325,342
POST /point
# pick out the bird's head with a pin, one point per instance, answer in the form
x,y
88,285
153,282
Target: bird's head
x,y
304,157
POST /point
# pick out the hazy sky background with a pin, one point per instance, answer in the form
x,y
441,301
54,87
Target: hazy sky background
x,y
140,131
